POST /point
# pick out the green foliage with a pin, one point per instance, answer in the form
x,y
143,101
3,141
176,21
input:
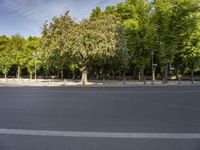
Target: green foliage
x,y
111,41
33,54
138,30
175,24
15,46
6,60
96,13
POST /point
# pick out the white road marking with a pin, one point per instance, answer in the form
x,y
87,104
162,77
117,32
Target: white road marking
x,y
101,134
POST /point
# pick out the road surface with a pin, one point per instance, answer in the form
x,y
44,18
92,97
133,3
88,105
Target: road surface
x,y
104,118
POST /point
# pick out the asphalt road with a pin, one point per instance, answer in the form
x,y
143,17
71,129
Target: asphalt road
x,y
171,109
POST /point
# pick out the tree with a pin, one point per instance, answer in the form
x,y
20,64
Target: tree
x,y
6,60
15,46
55,37
191,51
33,54
174,22
96,13
94,39
135,16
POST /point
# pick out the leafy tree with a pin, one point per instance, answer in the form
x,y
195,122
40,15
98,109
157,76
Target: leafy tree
x,y
15,46
174,22
33,54
55,37
191,51
6,60
135,16
94,39
3,42
96,13
73,68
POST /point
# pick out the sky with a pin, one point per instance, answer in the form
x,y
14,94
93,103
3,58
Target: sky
x,y
27,17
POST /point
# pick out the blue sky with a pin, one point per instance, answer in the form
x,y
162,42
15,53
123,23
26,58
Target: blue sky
x,y
26,17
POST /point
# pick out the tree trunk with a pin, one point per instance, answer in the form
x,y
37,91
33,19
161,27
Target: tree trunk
x,y
84,75
177,77
192,76
5,75
124,78
120,75
73,74
141,75
46,75
166,74
163,75
134,75
18,72
31,75
61,72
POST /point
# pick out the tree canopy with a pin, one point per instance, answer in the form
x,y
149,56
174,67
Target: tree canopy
x,y
114,41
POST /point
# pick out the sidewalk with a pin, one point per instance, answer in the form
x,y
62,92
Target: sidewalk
x,y
61,83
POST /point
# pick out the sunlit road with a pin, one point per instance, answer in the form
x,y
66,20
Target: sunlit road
x,y
109,118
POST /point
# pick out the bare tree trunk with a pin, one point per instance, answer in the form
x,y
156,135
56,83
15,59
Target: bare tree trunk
x,y
73,75
31,75
177,77
61,72
5,75
84,75
124,78
163,76
46,75
141,75
18,72
166,74
120,75
134,75
192,76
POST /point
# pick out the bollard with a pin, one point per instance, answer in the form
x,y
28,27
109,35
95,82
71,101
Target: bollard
x,y
49,81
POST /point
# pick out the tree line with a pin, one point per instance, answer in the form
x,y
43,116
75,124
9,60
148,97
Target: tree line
x,y
116,41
